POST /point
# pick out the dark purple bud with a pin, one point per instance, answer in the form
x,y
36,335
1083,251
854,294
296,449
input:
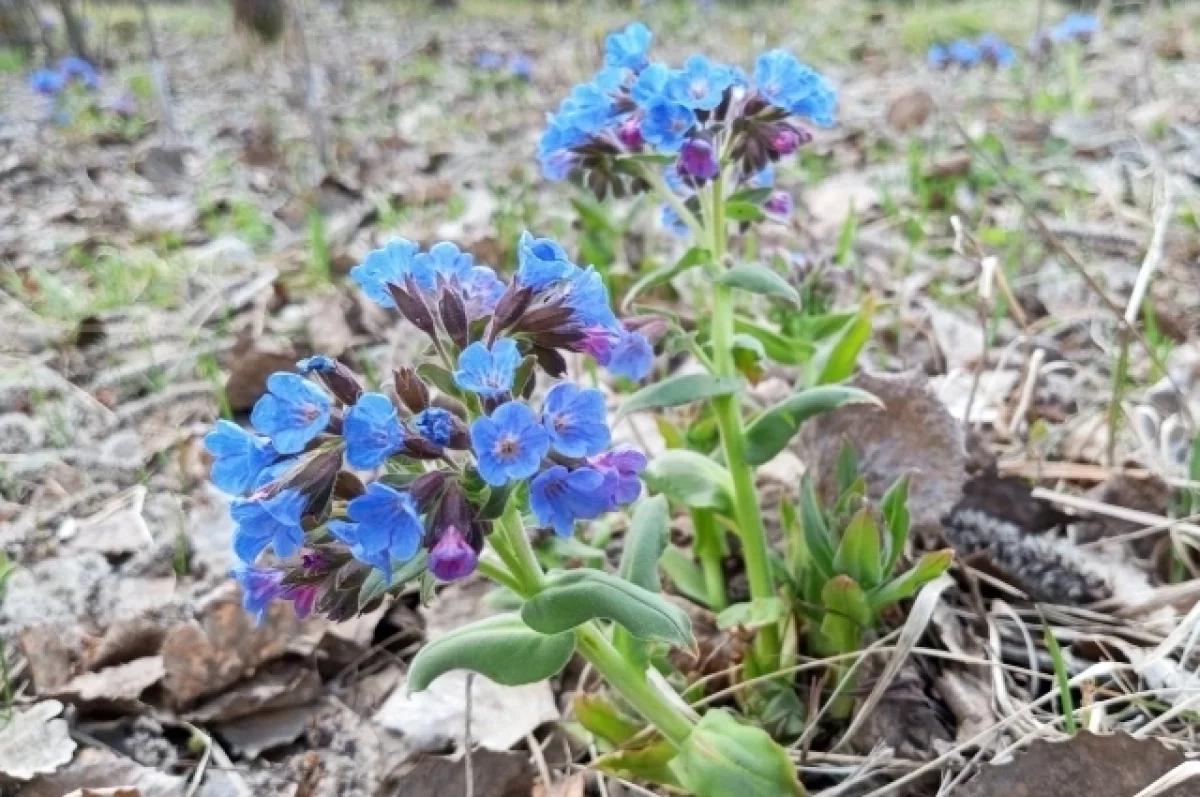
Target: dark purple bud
x,y
550,361
652,327
335,375
454,316
512,305
786,139
427,487
545,318
347,486
754,105
698,160
412,306
629,132
779,203
314,478
411,389
418,447
452,557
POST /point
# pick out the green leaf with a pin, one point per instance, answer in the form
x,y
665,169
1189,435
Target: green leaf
x,y
895,514
502,648
846,469
780,348
677,390
671,434
652,763
577,596
664,274
743,211
793,532
645,542
439,377
816,530
755,196
847,613
685,574
602,719
723,757
752,615
374,585
497,500
927,568
858,555
770,432
836,356
756,278
691,479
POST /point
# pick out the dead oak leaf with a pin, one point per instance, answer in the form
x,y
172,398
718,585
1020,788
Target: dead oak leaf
x,y
1098,766
34,742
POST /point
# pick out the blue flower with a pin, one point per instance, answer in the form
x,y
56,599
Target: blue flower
x,y
541,262
489,61
1077,26
588,109
435,424
964,53
559,497
509,444
576,419
273,474
671,222
349,533
938,57
271,521
796,88
372,430
47,82
765,178
632,357
586,294
318,364
489,373
620,468
667,124
381,267
628,48
239,457
650,85
444,259
261,586
555,147
386,527
75,68
520,67
701,84
996,51
481,290
293,412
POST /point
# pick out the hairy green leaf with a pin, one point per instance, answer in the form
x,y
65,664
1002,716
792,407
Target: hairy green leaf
x,y
691,479
756,278
677,390
685,574
895,514
723,757
770,432
858,554
645,542
927,568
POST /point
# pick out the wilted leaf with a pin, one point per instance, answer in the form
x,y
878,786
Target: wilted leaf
x,y
33,742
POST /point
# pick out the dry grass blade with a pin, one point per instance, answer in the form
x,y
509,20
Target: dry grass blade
x,y
1180,774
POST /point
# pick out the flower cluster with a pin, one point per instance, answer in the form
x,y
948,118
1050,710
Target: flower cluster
x,y
516,65
454,442
68,71
696,119
990,49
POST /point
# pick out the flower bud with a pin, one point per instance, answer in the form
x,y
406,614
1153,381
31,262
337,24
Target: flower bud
x,y
412,305
550,361
454,316
512,306
652,327
411,389
418,447
545,318
779,203
337,378
629,132
427,487
786,139
698,160
452,557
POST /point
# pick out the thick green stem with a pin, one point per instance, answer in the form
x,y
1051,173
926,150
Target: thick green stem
x,y
707,545
620,674
728,412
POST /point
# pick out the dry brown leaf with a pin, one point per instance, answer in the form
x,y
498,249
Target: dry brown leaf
x,y
1087,764
574,785
119,686
910,109
253,735
251,366
117,529
33,742
119,791
280,684
101,769
495,775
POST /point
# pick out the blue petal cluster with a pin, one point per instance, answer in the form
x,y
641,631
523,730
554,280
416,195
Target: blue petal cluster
x,y
989,49
401,259
1078,26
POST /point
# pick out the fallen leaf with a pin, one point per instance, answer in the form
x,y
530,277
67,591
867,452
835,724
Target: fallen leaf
x,y
117,529
119,686
1086,764
247,380
251,736
909,110
119,791
51,652
33,742
281,684
329,332
101,769
574,785
496,774
832,201
1146,495
913,434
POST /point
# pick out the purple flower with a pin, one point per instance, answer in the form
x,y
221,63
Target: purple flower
x,y
303,598
385,527
238,457
632,357
509,444
261,586
388,265
269,521
620,468
481,290
373,432
559,497
292,413
452,557
75,68
541,262
628,48
700,85
576,419
667,124
435,424
488,372
629,132
698,160
779,203
787,139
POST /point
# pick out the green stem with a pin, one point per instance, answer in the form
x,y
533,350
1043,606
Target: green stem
x,y
733,440
498,573
621,675
671,198
707,545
